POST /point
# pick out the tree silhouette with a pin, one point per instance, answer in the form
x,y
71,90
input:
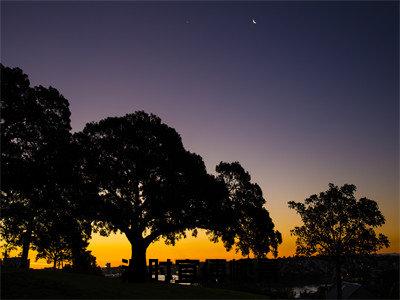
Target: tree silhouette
x,y
64,239
36,160
337,225
147,184
130,174
53,245
242,219
9,239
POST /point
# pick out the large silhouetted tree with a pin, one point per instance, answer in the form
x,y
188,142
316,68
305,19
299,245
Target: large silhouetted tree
x,y
149,186
337,225
37,161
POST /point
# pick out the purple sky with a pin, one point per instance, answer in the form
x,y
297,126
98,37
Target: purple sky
x,y
307,96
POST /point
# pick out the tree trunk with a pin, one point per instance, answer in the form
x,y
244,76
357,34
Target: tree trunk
x,y
55,264
77,250
26,243
76,261
339,278
137,264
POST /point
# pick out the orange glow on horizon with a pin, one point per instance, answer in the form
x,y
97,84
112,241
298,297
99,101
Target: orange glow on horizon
x,y
115,247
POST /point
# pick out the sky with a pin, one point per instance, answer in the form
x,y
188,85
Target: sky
x,y
306,96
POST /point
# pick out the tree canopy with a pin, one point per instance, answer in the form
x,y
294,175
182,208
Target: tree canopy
x,y
148,186
337,225
37,160
241,220
130,174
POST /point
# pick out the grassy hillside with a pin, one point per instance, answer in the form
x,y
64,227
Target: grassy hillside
x,y
56,284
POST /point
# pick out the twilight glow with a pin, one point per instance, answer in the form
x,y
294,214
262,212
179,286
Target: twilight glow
x,y
300,94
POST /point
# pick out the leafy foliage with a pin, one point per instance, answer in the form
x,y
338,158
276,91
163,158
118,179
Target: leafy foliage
x,y
52,245
129,173
145,179
148,186
336,223
65,239
243,219
37,163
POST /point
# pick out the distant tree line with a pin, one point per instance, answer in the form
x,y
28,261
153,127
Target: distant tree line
x,y
132,174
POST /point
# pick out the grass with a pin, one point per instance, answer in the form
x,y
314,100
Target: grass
x,y
47,284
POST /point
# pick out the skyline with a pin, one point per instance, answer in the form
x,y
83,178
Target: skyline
x,y
307,96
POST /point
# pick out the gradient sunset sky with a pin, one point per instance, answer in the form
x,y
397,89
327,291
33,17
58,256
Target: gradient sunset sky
x,y
306,96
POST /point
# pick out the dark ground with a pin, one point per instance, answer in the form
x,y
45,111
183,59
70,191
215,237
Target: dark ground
x,y
48,284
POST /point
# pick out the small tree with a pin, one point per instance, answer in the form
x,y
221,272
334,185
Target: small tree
x,y
53,246
336,224
63,238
